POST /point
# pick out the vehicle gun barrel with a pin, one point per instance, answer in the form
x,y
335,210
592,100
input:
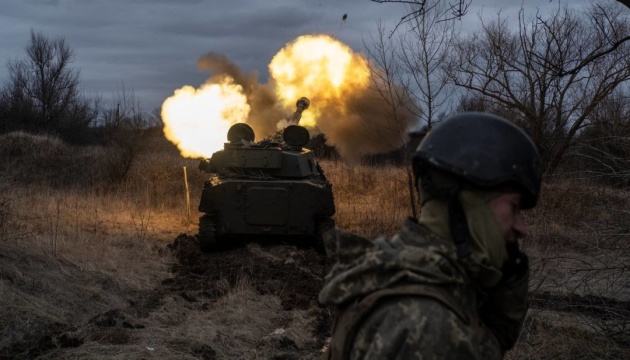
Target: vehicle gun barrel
x,y
302,104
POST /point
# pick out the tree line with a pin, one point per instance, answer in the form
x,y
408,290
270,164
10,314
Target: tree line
x,y
43,95
562,76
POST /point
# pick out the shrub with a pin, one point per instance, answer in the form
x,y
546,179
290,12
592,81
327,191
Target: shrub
x,y
20,143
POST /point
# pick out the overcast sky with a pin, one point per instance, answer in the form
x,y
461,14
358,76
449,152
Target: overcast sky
x,y
152,46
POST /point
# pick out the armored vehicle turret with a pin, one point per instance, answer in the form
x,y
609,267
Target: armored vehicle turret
x,y
274,187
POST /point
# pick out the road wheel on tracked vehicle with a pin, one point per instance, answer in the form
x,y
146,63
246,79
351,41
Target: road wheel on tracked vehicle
x,y
207,233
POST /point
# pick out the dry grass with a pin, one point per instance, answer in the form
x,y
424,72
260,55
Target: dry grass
x,y
74,245
369,201
552,335
578,239
580,215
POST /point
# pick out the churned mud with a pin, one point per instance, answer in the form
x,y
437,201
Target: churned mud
x,y
253,301
293,274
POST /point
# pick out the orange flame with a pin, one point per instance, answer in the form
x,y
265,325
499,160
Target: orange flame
x,y
197,121
320,68
316,66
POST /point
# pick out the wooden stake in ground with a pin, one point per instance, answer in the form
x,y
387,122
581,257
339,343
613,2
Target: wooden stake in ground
x,y
187,194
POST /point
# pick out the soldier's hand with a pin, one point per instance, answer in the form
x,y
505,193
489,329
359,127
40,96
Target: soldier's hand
x,y
516,265
506,304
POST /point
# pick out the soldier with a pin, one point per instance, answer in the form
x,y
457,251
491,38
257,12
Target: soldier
x,y
452,285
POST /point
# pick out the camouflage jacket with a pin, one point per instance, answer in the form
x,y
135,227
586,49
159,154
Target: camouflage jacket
x,y
409,298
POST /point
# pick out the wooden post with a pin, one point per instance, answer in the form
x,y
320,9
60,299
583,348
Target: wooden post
x,y
187,194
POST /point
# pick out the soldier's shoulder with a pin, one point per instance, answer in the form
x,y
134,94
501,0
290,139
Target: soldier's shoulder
x,y
413,327
416,308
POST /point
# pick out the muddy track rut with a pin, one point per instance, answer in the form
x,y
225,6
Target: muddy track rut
x,y
284,277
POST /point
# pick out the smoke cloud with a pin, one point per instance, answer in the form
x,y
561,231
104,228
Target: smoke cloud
x,y
356,117
369,125
266,111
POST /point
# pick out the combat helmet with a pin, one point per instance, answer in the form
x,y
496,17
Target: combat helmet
x,y
480,150
484,150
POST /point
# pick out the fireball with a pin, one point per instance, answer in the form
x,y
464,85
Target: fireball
x,y
197,120
325,70
318,67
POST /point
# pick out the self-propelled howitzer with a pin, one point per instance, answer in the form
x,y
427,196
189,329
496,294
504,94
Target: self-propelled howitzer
x,y
274,187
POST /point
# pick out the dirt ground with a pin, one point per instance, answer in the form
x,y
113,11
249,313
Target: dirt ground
x,y
252,301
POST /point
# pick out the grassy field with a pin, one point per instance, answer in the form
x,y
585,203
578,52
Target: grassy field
x,y
86,270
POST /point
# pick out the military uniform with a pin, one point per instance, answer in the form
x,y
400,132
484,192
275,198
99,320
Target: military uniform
x,y
454,285
409,297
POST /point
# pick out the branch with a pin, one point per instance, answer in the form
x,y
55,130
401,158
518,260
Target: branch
x,y
594,55
454,11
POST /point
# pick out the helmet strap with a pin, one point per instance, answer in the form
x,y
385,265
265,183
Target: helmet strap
x,y
459,226
435,184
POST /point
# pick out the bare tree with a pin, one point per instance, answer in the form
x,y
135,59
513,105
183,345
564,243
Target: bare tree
x,y
155,117
611,39
603,150
42,93
391,86
16,108
440,9
456,8
124,109
505,67
125,122
459,8
423,51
